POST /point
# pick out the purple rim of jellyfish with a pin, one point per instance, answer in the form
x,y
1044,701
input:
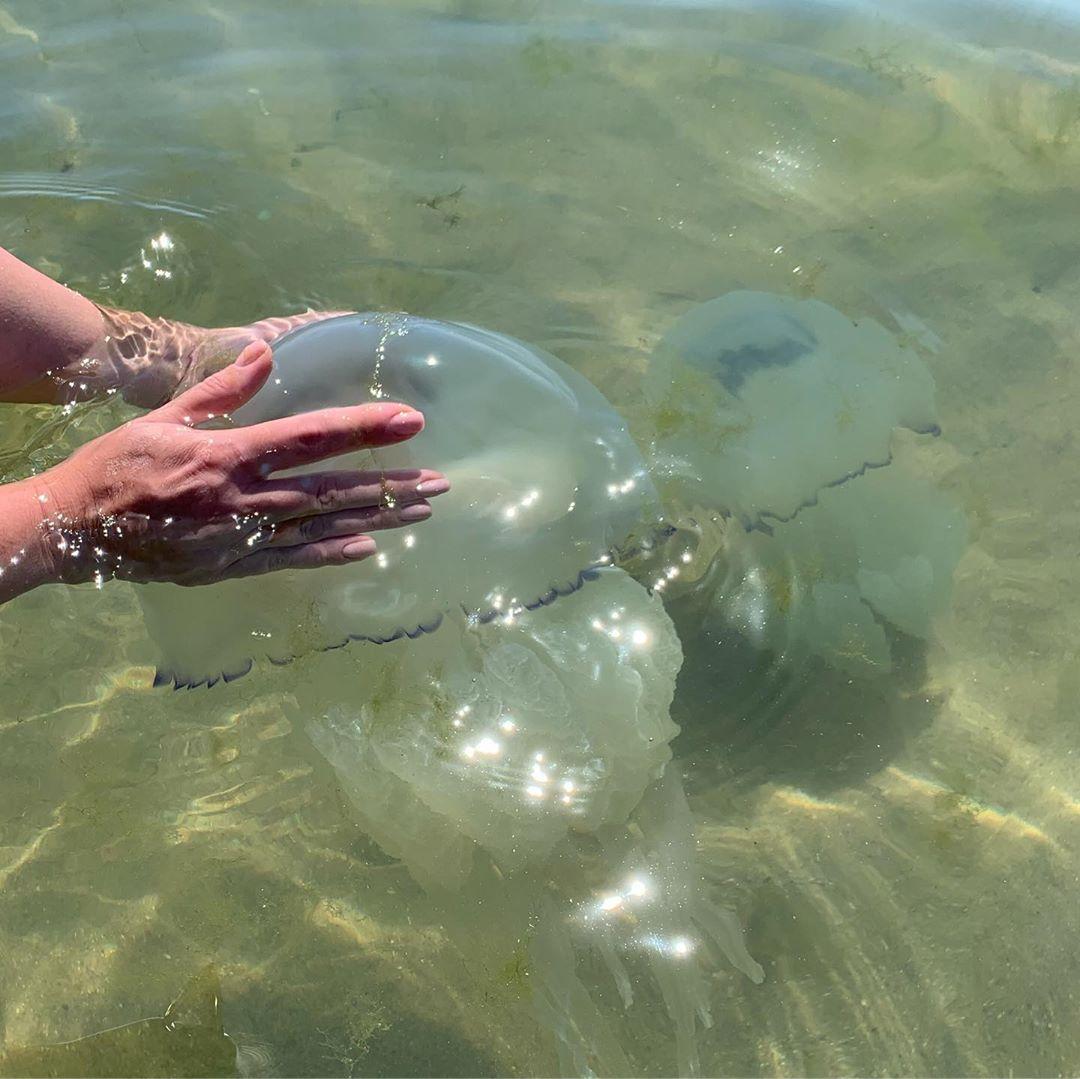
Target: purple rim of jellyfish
x,y
474,617
178,680
765,523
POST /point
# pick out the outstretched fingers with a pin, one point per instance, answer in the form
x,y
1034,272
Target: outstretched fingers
x,y
318,519
350,523
319,493
315,436
331,552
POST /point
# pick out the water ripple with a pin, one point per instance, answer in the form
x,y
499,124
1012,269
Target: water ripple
x,y
48,185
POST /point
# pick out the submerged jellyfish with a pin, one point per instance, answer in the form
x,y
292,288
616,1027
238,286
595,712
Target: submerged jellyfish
x,y
547,483
771,425
505,737
758,402
511,708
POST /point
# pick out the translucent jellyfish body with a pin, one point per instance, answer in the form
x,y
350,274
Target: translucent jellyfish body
x,y
546,480
758,402
771,426
506,736
539,710
508,740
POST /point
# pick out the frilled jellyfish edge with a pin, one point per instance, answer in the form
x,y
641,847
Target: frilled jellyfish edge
x,y
164,677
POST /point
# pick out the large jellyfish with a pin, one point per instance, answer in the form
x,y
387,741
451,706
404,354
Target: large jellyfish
x,y
770,426
511,686
547,484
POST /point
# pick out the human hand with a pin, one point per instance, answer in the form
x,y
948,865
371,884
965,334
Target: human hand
x,y
211,350
151,360
160,499
59,347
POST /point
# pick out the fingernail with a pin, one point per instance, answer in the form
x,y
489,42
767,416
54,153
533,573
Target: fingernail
x,y
433,487
252,353
359,548
406,423
416,512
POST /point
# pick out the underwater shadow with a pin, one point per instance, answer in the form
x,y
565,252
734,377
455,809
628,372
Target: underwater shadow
x,y
747,720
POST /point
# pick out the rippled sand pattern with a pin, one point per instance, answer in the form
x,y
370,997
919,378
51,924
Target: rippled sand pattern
x,y
904,852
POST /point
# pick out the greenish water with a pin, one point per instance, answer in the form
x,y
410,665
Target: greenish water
x,y
902,850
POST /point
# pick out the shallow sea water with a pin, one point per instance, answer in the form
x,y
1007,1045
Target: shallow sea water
x,y
903,851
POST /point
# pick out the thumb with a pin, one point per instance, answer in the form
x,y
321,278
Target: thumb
x,y
224,391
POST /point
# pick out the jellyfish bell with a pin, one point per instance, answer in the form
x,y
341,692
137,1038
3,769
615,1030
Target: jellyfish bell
x,y
757,402
546,483
772,426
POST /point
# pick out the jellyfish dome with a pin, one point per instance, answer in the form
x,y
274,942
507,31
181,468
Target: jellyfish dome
x,y
772,427
546,484
758,402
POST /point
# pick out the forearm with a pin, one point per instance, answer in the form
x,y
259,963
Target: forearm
x,y
57,346
44,328
30,550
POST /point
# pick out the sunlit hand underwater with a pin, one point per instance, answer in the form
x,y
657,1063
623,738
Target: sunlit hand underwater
x,y
164,498
158,499
57,346
150,360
